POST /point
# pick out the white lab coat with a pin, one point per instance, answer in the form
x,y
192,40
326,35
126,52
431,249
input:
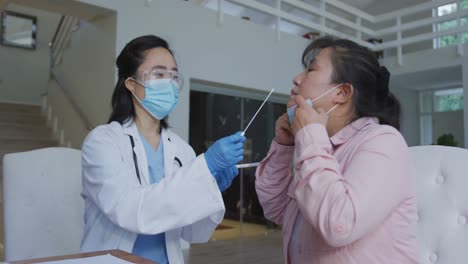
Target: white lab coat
x,y
186,204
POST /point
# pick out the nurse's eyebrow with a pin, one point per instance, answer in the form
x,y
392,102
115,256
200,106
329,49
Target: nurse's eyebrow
x,y
164,68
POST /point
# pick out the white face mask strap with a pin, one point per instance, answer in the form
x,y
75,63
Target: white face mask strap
x,y
327,92
136,81
331,109
134,95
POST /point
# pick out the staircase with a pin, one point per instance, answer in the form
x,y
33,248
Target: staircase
x,y
22,128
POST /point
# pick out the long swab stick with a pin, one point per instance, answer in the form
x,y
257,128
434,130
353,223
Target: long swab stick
x,y
264,101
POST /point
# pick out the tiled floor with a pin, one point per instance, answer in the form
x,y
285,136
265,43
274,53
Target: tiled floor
x,y
253,244
235,231
227,245
258,249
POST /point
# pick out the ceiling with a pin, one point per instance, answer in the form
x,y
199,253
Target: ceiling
x,y
372,7
73,8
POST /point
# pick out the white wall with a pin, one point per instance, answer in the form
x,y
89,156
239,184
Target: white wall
x,y
24,73
237,53
425,60
410,114
88,67
68,119
377,7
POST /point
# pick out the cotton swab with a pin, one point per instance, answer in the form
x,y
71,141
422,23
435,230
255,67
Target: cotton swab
x,y
247,165
266,99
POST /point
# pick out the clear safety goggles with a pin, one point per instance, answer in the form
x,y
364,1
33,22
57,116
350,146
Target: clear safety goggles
x,y
162,74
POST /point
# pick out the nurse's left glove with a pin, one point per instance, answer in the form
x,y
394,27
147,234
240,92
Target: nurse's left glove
x,y
225,152
225,177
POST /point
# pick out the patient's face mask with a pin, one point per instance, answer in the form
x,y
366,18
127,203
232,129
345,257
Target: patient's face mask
x,y
292,109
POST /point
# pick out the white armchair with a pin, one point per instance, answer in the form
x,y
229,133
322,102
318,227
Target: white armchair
x,y
442,193
43,210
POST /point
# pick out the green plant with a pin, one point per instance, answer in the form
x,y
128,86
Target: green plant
x,y
447,140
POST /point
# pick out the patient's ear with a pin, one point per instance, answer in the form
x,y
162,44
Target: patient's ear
x,y
344,93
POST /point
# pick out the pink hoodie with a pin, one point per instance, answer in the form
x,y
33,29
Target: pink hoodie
x,y
350,200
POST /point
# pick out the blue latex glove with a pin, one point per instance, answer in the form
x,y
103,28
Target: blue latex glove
x,y
224,177
225,152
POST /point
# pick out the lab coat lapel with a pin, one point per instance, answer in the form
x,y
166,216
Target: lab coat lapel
x,y
169,152
130,129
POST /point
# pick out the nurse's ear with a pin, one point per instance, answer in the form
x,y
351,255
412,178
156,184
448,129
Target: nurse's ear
x,y
131,84
135,88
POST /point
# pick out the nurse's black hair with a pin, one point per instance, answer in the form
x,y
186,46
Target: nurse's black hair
x,y
358,66
128,61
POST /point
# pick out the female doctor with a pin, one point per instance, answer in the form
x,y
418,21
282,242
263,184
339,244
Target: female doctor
x,y
143,187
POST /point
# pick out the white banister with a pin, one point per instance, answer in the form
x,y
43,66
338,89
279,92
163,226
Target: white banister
x,y
313,25
459,35
420,23
399,48
298,20
412,10
351,9
421,37
361,25
278,21
258,6
323,13
358,33
220,12
323,8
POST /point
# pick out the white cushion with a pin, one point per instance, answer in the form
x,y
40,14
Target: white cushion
x,y
442,193
43,210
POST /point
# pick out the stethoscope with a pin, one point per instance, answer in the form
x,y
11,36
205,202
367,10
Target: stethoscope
x,y
135,161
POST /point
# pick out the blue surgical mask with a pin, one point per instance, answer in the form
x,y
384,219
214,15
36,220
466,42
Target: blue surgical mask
x,y
161,97
292,109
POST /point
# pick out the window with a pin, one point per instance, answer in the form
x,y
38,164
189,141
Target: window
x,y
18,30
448,100
217,110
433,102
452,39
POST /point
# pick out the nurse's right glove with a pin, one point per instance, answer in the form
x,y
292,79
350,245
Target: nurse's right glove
x,y
225,152
224,177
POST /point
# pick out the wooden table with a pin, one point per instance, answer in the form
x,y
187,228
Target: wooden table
x,y
116,253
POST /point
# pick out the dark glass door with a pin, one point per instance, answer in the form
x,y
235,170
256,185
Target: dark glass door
x,y
213,116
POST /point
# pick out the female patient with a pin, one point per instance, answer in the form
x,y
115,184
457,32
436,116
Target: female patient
x,y
350,197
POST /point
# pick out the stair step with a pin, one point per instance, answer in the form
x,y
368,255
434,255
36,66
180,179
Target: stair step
x,y
13,123
23,146
25,131
22,118
17,149
20,145
19,108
